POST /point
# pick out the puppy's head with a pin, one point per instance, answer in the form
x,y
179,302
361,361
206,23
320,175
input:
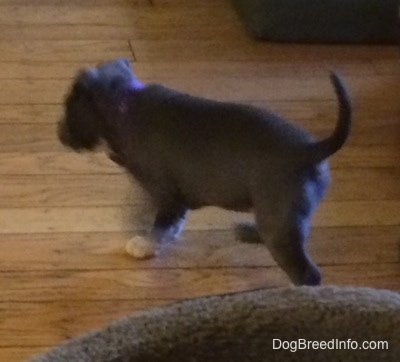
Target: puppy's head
x,y
79,129
93,93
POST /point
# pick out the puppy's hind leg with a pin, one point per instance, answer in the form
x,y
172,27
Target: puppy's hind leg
x,y
289,251
168,225
284,231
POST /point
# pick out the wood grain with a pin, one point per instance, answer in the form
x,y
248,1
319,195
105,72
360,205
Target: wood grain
x,y
33,70
63,320
172,283
240,48
158,71
19,353
43,137
62,50
386,66
47,163
116,22
375,87
139,284
56,3
313,115
18,191
51,163
30,113
134,218
195,249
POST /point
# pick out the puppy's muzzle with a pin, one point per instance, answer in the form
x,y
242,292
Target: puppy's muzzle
x,y
63,134
65,137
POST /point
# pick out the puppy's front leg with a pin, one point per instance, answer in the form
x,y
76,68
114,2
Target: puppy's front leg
x,y
167,226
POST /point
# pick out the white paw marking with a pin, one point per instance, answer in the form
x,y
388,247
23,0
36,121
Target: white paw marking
x,y
141,248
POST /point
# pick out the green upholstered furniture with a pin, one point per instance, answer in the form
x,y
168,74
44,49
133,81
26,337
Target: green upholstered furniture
x,y
322,21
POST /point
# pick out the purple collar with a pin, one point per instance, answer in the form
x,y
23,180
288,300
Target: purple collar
x,y
136,85
123,98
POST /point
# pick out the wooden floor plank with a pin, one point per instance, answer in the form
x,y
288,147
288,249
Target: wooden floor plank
x,y
19,353
174,283
350,184
69,190
61,32
376,87
63,320
371,156
158,71
279,88
195,249
107,219
19,191
321,114
60,321
50,163
193,69
240,48
386,66
316,115
30,113
45,163
117,218
117,21
137,284
56,3
143,16
30,70
78,13
381,276
29,138
187,3
63,50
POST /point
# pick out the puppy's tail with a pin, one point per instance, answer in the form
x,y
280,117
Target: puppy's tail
x,y
319,151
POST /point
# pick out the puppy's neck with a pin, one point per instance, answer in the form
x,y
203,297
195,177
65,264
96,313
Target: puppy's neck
x,y
123,101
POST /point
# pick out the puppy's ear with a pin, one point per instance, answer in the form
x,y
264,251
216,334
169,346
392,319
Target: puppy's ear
x,y
81,127
86,79
128,63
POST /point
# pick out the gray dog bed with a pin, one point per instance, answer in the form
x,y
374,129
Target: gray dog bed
x,y
322,21
247,326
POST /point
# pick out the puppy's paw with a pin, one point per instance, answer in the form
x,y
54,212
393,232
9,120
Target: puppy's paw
x,y
141,248
312,277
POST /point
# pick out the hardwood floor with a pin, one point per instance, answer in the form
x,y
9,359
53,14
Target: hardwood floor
x,y
65,218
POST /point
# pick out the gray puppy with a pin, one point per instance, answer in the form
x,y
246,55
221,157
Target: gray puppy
x,y
189,152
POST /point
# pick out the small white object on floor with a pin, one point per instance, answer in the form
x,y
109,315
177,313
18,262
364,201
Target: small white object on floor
x,y
141,248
